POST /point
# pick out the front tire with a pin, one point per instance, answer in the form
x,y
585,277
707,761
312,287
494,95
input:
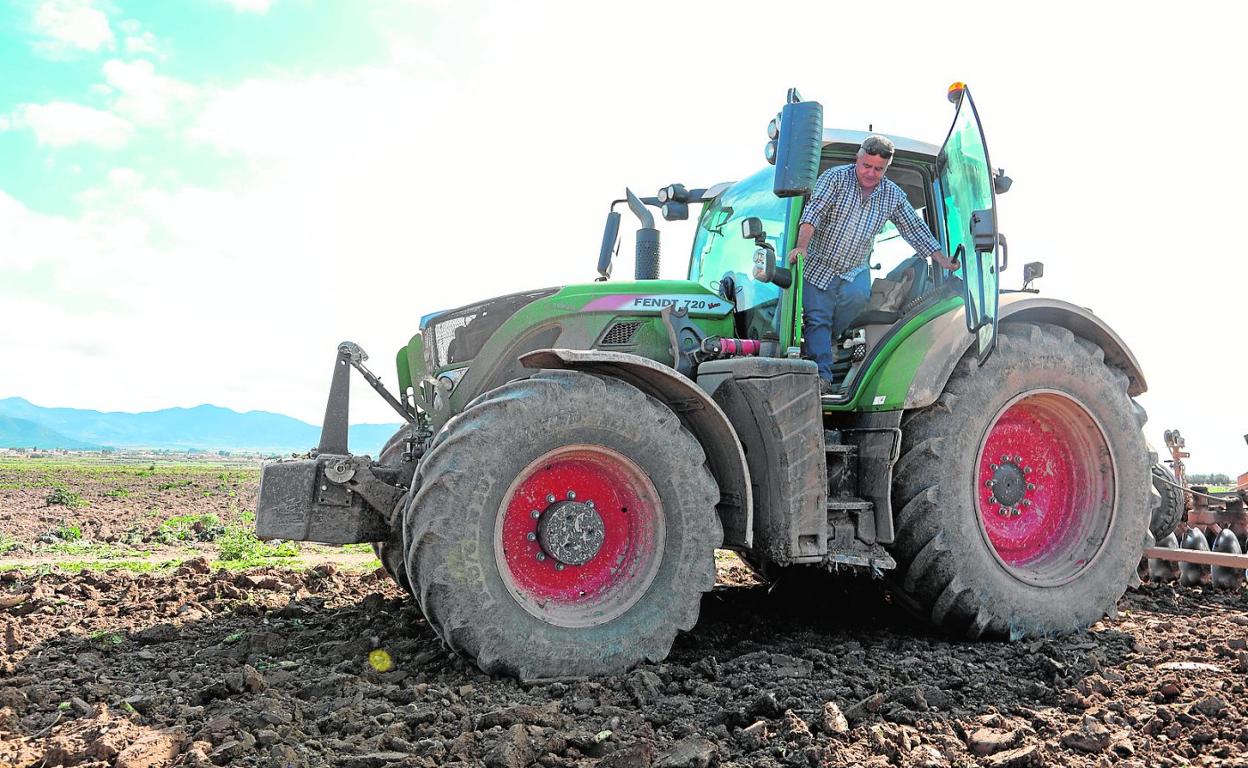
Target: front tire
x,y
565,524
1024,490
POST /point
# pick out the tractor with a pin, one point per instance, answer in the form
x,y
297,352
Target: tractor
x,y
571,458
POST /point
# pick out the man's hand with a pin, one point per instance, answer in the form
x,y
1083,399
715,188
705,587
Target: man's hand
x,y
944,261
793,254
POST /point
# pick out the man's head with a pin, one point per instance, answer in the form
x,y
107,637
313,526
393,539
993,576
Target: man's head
x,y
874,156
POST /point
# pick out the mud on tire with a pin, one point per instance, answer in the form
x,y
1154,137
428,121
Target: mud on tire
x,y
498,571
1051,545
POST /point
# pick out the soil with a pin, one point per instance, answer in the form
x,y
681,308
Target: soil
x,y
329,667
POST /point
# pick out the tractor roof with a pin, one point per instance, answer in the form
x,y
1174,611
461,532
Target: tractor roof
x,y
843,136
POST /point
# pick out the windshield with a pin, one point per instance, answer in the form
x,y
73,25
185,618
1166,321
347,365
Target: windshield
x,y
719,249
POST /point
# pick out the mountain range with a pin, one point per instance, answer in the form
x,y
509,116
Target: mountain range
x,y
204,427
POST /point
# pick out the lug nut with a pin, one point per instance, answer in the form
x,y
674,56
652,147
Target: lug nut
x,y
590,503
541,556
559,566
572,495
990,483
550,498
992,499
1018,459
535,514
1031,486
993,467
1005,458
1026,502
1026,470
531,536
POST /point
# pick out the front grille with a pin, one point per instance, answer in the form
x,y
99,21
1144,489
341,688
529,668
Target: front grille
x,y
458,335
621,333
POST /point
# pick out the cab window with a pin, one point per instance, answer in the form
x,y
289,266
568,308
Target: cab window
x,y
719,249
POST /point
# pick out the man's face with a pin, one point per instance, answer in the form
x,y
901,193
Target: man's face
x,y
870,170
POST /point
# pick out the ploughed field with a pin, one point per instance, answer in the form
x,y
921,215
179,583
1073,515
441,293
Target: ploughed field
x,y
135,643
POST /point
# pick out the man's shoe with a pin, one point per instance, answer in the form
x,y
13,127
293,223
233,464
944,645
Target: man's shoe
x,y
825,388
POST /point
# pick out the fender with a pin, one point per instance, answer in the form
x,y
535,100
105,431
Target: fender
x,y
696,410
945,341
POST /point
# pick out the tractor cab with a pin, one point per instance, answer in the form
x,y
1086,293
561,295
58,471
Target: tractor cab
x,y
952,189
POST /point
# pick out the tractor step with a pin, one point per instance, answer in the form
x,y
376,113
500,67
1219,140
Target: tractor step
x,y
844,546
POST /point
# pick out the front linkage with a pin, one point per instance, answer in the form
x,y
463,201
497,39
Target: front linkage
x,y
332,496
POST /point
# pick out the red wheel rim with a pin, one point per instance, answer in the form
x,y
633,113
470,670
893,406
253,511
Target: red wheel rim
x,y
615,501
1045,488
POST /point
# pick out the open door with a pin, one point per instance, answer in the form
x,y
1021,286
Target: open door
x,y
971,218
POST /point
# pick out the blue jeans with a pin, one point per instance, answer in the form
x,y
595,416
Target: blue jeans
x,y
826,313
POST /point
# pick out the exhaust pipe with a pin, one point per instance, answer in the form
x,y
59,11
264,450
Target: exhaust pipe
x,y
647,265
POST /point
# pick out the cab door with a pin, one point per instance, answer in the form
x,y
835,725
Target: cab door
x,y
971,218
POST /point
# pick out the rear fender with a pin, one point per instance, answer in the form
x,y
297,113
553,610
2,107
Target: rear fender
x,y
945,340
696,410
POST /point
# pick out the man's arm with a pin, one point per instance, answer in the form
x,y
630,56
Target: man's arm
x,y
919,237
818,205
804,233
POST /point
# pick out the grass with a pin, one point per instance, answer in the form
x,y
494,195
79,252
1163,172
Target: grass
x,y
239,547
62,497
8,543
69,532
118,493
105,637
362,548
205,527
78,566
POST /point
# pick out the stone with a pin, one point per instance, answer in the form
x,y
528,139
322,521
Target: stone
x,y
639,754
1209,706
153,750
526,714
1029,756
644,686
692,752
253,681
1092,736
795,729
160,633
926,756
514,751
764,705
833,719
989,741
753,736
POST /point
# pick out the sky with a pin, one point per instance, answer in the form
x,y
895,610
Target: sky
x,y
200,199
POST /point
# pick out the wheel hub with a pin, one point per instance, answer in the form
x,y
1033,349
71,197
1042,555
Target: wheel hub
x,y
1009,483
572,532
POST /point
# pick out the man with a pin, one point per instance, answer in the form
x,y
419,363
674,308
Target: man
x,y
848,208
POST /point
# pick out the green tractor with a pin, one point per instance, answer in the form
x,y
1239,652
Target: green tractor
x,y
573,457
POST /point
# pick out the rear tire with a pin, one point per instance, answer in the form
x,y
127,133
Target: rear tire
x,y
1168,513
1051,545
615,560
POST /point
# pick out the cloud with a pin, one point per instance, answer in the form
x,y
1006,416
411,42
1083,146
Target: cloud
x,y
145,97
71,25
63,124
250,6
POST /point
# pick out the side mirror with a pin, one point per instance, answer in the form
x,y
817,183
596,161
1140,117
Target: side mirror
x,y
1000,182
796,150
752,229
610,240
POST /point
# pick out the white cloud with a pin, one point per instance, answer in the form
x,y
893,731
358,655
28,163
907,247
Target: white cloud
x,y
145,97
62,124
71,25
250,6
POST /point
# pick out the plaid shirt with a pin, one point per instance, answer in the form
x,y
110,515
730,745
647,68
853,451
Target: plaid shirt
x,y
846,225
